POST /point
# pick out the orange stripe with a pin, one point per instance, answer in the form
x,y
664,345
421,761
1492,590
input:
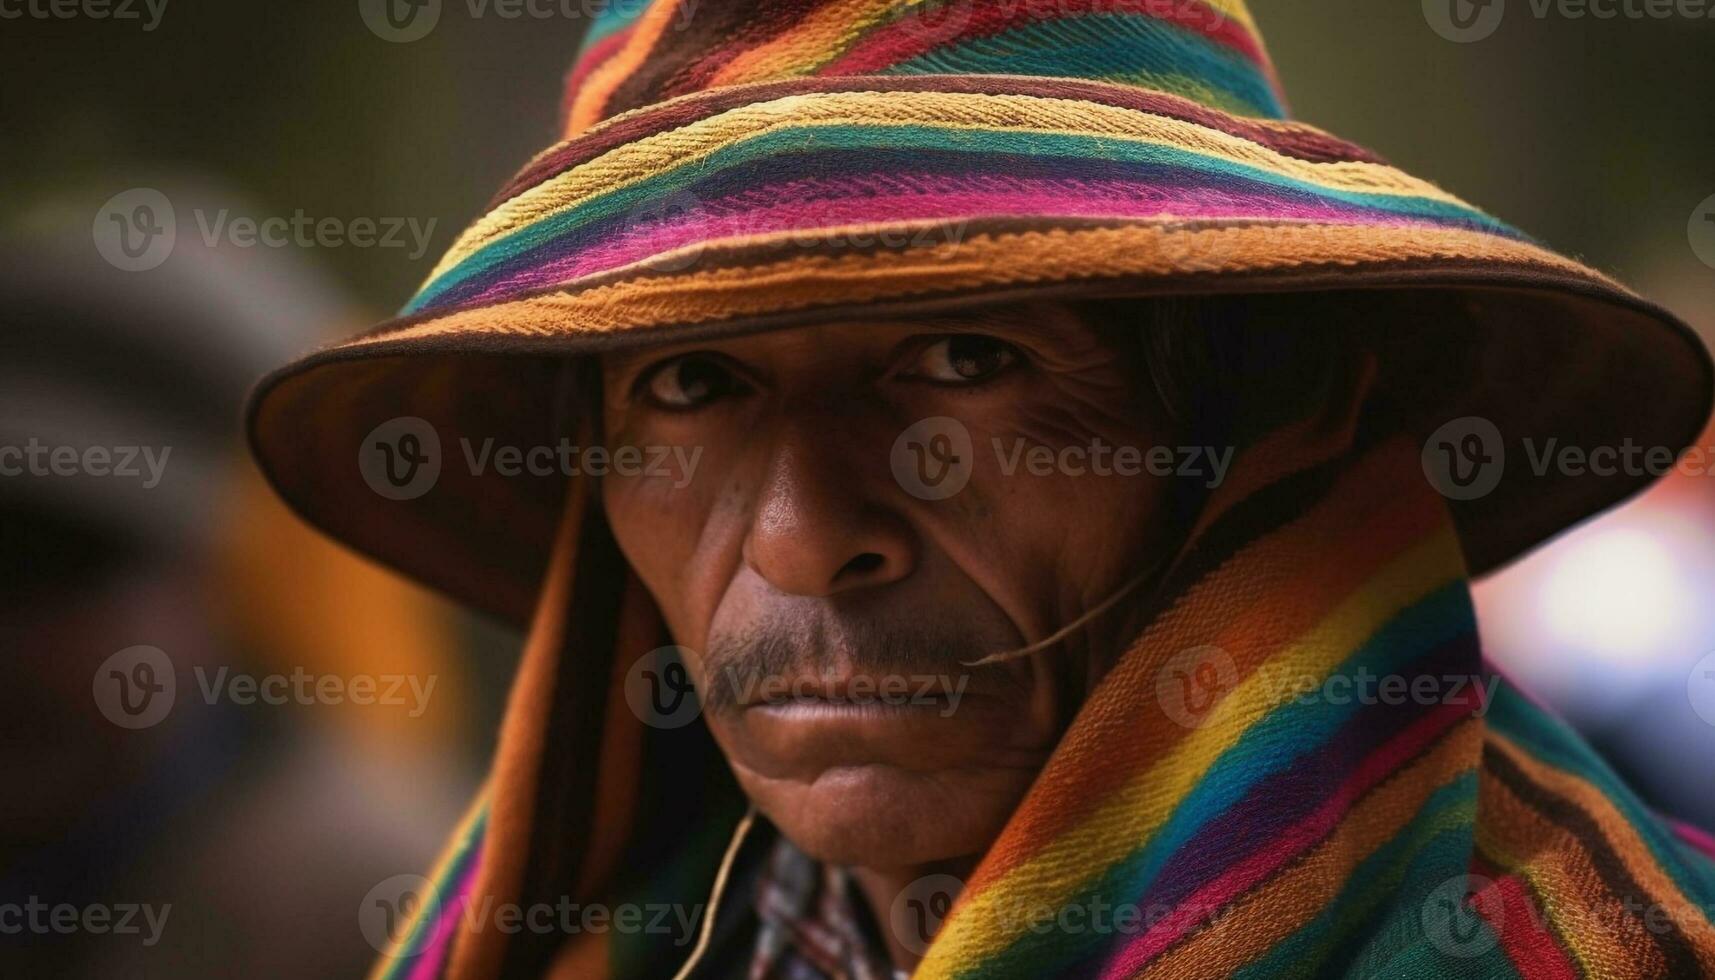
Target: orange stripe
x,y
1520,837
1513,910
479,947
810,43
583,957
1623,839
1170,253
1250,635
442,880
1278,908
591,100
614,806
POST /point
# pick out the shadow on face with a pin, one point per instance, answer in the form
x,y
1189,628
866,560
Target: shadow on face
x,y
848,514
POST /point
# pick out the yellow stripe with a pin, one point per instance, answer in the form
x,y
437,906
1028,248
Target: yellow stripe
x,y
1142,250
1237,10
643,159
1282,905
440,880
587,104
1689,917
980,928
813,41
1595,952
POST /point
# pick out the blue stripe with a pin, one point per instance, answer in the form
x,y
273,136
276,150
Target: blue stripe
x,y
775,148
1114,47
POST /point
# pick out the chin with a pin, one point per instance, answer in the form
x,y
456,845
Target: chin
x,y
883,816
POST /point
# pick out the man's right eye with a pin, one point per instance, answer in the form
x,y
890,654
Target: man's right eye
x,y
690,381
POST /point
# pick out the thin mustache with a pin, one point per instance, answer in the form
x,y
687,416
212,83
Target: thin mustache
x,y
865,649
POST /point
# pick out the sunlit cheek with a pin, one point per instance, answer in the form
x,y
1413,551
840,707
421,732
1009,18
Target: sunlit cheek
x,y
671,514
1076,502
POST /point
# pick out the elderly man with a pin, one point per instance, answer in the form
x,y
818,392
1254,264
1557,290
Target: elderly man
x,y
989,496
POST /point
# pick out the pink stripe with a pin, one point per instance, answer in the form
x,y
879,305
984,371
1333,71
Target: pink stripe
x,y
1694,836
1512,913
1046,199
1254,870
434,955
598,53
910,38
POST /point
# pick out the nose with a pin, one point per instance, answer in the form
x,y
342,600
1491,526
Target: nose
x,y
821,525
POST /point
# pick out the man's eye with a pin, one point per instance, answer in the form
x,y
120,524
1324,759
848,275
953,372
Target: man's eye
x,y
964,359
690,381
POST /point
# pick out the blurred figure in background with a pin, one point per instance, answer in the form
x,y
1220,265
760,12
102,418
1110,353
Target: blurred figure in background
x,y
1614,623
149,582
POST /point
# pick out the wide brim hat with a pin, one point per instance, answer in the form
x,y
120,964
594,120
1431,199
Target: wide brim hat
x,y
747,166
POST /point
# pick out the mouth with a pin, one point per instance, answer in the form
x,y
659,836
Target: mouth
x,y
853,695
806,707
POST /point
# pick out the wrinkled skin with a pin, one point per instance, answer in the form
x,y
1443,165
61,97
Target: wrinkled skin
x,y
793,535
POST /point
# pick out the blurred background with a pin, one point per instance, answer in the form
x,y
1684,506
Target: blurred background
x,y
266,824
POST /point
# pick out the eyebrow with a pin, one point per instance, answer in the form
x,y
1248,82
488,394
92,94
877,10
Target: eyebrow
x,y
1016,319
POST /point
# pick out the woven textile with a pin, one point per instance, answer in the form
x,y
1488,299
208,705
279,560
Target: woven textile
x,y
1302,767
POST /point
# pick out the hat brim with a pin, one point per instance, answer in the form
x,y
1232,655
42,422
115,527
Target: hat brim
x,y
669,224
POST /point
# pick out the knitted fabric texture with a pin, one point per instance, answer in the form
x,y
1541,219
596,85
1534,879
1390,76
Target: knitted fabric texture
x,y
1236,799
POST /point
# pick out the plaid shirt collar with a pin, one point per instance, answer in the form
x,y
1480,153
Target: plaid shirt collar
x,y
811,924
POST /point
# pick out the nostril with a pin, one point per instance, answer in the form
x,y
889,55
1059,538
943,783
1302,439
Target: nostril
x,y
861,565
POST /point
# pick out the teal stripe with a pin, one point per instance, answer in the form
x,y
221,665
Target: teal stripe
x,y
1271,745
1399,945
1298,727
1113,47
857,138
1554,743
421,931
1435,846
610,18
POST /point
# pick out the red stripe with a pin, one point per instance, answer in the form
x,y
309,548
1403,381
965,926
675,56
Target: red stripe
x,y
1514,917
592,59
1302,142
904,39
1247,875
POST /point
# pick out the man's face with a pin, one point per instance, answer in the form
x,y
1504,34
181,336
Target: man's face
x,y
830,600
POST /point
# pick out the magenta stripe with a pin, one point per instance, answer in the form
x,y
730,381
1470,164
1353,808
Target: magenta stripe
x,y
433,957
1253,871
1696,837
1047,200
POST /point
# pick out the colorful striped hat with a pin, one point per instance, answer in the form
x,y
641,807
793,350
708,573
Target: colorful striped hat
x,y
758,164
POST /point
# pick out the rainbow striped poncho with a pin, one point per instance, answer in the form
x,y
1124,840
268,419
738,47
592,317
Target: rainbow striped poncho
x,y
1228,782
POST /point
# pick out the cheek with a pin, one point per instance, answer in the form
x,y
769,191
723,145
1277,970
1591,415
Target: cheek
x,y
1076,486
664,527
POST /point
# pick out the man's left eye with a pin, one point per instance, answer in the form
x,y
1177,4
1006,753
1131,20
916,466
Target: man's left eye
x,y
964,359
